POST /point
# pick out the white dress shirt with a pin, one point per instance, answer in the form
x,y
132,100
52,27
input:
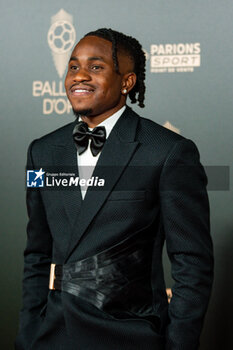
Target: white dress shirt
x,y
86,161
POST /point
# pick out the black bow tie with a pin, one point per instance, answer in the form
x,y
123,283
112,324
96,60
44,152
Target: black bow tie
x,y
81,135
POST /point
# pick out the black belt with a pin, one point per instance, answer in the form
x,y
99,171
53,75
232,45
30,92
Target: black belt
x,y
111,276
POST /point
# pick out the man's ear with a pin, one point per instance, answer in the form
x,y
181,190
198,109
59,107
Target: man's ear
x,y
129,81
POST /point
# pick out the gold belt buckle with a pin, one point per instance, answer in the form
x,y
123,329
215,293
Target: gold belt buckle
x,y
52,277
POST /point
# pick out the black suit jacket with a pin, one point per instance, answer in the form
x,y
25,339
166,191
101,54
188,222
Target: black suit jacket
x,y
155,190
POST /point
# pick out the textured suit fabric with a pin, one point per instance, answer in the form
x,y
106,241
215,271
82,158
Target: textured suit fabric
x,y
155,186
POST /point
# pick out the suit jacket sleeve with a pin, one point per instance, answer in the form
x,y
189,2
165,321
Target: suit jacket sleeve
x,y
185,213
37,259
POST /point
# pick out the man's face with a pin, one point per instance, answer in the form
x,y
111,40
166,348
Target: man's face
x,y
92,85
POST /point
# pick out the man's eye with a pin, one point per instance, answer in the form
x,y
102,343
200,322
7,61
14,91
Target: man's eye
x,y
96,67
73,67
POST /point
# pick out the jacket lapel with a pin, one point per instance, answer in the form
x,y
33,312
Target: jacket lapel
x,y
115,155
65,159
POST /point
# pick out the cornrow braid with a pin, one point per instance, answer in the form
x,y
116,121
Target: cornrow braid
x,y
134,49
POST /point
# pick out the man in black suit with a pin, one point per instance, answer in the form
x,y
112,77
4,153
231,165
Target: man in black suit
x,y
107,287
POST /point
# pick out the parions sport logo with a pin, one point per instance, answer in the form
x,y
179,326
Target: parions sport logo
x,y
60,38
172,58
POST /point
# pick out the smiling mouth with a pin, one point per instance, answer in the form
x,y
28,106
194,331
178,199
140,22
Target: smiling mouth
x,y
81,91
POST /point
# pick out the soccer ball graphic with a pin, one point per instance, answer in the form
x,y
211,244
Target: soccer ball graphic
x,y
61,36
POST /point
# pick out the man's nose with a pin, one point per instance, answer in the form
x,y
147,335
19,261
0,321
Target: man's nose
x,y
82,75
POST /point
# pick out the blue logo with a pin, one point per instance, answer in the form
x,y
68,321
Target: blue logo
x,y
35,178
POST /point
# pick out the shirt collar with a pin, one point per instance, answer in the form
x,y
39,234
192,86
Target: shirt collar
x,y
110,121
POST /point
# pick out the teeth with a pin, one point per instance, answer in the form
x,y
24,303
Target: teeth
x,y
81,90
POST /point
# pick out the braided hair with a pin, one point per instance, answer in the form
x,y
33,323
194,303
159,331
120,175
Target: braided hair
x,y
134,49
